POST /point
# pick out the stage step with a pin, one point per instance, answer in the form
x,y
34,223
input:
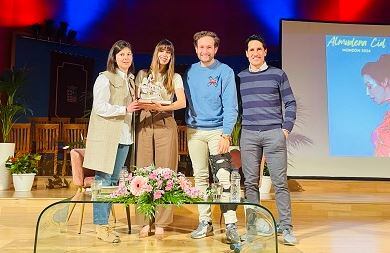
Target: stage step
x,y
339,186
310,198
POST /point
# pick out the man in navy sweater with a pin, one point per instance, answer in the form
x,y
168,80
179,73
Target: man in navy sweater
x,y
264,91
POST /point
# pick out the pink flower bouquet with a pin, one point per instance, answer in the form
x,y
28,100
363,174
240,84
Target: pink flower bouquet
x,y
149,187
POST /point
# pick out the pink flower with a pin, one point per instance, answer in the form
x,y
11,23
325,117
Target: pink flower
x,y
167,173
193,192
169,185
159,184
153,176
121,185
120,191
137,185
157,194
184,183
148,188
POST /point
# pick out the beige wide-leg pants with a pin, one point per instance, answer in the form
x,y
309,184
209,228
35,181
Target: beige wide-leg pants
x,y
157,144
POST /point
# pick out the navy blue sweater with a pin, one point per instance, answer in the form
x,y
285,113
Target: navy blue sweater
x,y
262,95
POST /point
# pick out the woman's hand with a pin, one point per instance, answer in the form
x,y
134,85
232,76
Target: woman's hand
x,y
158,107
133,106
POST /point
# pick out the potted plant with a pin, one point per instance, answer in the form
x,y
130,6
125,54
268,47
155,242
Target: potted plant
x,y
10,110
236,133
23,169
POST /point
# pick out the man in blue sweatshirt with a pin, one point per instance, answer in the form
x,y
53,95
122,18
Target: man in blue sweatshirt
x,y
210,117
264,91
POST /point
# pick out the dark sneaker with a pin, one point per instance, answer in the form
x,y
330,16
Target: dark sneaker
x,y
204,229
289,237
232,233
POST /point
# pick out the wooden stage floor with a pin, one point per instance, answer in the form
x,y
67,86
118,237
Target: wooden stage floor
x,y
328,216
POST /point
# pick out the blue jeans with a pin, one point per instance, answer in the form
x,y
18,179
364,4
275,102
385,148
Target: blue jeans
x,y
102,211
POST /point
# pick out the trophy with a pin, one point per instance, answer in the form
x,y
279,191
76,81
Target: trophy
x,y
150,92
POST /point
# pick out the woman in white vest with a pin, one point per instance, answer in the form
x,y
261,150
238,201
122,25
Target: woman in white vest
x,y
110,132
157,141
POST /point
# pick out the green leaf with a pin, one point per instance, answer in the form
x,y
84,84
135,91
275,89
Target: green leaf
x,y
10,83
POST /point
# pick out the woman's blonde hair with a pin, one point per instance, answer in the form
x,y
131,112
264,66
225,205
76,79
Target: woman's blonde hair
x,y
164,45
115,49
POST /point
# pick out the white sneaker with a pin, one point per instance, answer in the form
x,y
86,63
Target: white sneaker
x,y
289,237
204,229
106,233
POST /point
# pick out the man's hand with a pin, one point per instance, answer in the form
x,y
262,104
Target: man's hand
x,y
224,144
285,132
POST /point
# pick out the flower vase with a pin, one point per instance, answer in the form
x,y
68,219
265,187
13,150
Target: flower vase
x,y
152,224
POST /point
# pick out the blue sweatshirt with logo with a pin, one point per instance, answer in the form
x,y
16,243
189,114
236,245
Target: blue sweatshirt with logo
x,y
212,97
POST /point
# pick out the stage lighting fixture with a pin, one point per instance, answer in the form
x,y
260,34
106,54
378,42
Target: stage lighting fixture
x,y
70,38
36,30
61,31
50,29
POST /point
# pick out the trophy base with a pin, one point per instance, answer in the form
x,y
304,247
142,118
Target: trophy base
x,y
151,101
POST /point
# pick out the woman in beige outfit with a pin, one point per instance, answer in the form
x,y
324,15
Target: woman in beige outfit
x,y
157,130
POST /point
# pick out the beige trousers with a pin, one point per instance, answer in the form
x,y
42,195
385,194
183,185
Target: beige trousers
x,y
200,144
157,144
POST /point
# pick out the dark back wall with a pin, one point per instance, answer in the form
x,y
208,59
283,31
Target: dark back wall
x,y
35,55
101,22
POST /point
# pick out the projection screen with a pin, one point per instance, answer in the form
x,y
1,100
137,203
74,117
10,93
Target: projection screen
x,y
340,76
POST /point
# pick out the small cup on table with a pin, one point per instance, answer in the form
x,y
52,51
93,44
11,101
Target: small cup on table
x,y
216,189
96,188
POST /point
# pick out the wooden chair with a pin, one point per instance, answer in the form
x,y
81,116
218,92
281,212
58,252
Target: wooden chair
x,y
82,120
46,140
182,138
34,121
60,121
21,136
74,135
38,120
82,178
183,159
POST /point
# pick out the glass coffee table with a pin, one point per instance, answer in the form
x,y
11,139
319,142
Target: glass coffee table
x,y
56,233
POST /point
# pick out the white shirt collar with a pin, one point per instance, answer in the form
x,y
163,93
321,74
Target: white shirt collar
x,y
124,75
262,68
121,73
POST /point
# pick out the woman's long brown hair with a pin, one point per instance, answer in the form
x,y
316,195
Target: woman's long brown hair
x,y
169,71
